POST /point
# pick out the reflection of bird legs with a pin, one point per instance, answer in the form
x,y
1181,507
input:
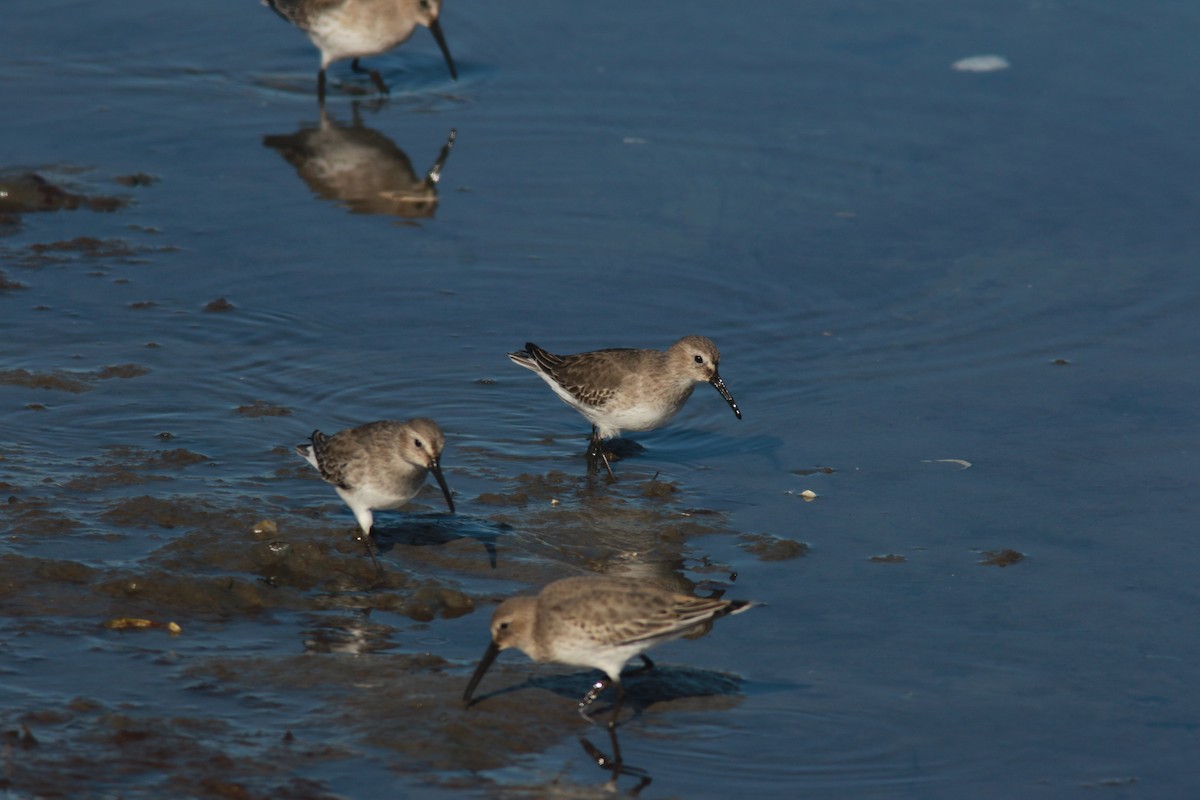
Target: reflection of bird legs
x,y
376,78
602,684
596,453
616,764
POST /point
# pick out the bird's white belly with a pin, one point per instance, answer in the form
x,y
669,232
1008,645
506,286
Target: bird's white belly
x,y
587,652
377,497
639,418
337,40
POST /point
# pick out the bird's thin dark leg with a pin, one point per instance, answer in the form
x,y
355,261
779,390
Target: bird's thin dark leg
x,y
321,88
589,698
376,78
366,540
596,451
612,723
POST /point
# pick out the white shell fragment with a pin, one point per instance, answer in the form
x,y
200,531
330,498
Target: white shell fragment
x,y
985,63
961,463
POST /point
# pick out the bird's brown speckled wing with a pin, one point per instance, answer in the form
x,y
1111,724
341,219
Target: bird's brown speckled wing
x,y
331,460
601,609
299,12
667,620
591,378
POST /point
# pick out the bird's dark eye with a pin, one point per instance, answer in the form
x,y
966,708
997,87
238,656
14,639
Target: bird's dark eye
x,y
503,626
418,444
699,359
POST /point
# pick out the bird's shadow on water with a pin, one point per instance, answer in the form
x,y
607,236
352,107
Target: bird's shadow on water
x,y
413,81
695,445
642,690
618,449
684,447
437,529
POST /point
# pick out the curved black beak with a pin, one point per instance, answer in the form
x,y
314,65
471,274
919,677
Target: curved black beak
x,y
489,656
436,469
436,28
719,385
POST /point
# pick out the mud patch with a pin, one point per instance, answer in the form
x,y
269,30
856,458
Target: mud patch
x,y
261,408
772,548
412,704
40,588
24,192
69,381
85,249
658,490
86,246
9,285
269,566
33,517
171,512
1000,558
552,525
136,179
123,465
88,749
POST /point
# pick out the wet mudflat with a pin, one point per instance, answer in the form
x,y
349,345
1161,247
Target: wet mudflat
x,y
956,307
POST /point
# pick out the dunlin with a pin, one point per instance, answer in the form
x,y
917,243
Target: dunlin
x,y
380,465
355,29
597,622
627,389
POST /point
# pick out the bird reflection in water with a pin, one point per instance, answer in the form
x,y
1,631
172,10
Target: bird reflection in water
x,y
616,764
361,169
353,634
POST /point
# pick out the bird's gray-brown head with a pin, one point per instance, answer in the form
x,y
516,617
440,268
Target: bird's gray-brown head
x,y
423,448
512,626
703,360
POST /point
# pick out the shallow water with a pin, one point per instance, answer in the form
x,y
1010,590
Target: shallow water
x,y
970,296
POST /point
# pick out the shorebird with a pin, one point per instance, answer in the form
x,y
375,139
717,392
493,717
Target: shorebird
x,y
627,389
355,29
380,465
597,622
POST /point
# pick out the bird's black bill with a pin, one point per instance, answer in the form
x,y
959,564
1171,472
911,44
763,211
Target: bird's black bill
x,y
719,385
489,656
436,28
436,469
